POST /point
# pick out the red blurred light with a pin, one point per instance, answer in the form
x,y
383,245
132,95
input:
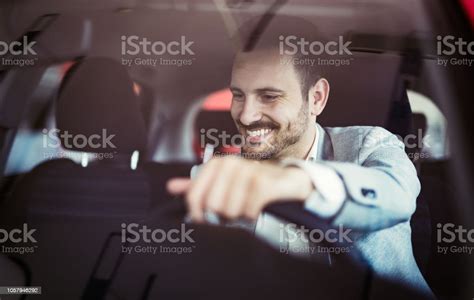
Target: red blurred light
x,y
137,89
469,9
65,67
218,101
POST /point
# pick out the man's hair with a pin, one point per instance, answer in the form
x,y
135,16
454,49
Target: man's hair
x,y
257,35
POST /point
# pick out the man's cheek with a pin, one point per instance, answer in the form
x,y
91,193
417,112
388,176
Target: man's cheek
x,y
235,110
272,138
268,142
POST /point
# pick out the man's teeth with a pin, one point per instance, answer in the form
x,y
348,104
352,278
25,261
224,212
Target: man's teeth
x,y
258,132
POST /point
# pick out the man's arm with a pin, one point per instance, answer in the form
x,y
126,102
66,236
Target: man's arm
x,y
379,192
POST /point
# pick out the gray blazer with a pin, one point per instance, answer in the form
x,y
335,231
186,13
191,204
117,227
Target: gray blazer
x,y
382,187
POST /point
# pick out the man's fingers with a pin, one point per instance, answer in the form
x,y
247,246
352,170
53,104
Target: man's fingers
x,y
237,196
215,199
178,186
199,188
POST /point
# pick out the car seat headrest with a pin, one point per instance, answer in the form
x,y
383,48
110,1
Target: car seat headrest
x,y
97,103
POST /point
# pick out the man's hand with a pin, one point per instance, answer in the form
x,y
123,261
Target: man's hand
x,y
234,187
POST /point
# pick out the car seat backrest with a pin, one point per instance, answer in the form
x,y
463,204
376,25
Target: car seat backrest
x,y
74,208
361,92
96,96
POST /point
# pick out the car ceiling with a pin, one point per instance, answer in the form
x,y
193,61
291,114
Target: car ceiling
x,y
202,21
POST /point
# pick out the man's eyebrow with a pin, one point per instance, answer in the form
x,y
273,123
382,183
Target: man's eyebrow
x,y
235,89
260,90
270,89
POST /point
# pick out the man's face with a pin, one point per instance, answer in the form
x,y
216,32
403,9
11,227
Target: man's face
x,y
267,105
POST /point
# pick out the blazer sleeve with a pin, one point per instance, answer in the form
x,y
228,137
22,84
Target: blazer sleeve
x,y
381,190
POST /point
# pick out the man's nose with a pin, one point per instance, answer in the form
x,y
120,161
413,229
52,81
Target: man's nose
x,y
250,112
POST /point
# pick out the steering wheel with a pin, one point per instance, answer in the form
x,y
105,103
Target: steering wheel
x,y
290,211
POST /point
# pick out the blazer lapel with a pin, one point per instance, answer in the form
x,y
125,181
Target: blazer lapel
x,y
325,147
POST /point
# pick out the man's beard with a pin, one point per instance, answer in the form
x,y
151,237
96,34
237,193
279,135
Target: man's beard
x,y
280,139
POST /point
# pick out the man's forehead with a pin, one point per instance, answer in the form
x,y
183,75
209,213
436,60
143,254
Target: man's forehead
x,y
262,57
262,68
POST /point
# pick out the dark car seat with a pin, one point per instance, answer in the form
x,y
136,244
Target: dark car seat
x,y
446,273
95,99
13,272
75,208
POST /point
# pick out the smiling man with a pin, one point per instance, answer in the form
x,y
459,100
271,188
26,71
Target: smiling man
x,y
269,110
356,177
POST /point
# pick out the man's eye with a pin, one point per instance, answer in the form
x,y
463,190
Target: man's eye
x,y
269,97
237,97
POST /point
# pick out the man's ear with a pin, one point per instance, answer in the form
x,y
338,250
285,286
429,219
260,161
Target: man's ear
x,y
318,96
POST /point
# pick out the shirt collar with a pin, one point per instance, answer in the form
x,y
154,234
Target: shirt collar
x,y
313,152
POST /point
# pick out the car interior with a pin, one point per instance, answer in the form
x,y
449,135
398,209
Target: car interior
x,y
78,198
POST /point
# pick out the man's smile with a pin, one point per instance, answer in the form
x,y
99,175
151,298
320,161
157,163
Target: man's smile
x,y
256,136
